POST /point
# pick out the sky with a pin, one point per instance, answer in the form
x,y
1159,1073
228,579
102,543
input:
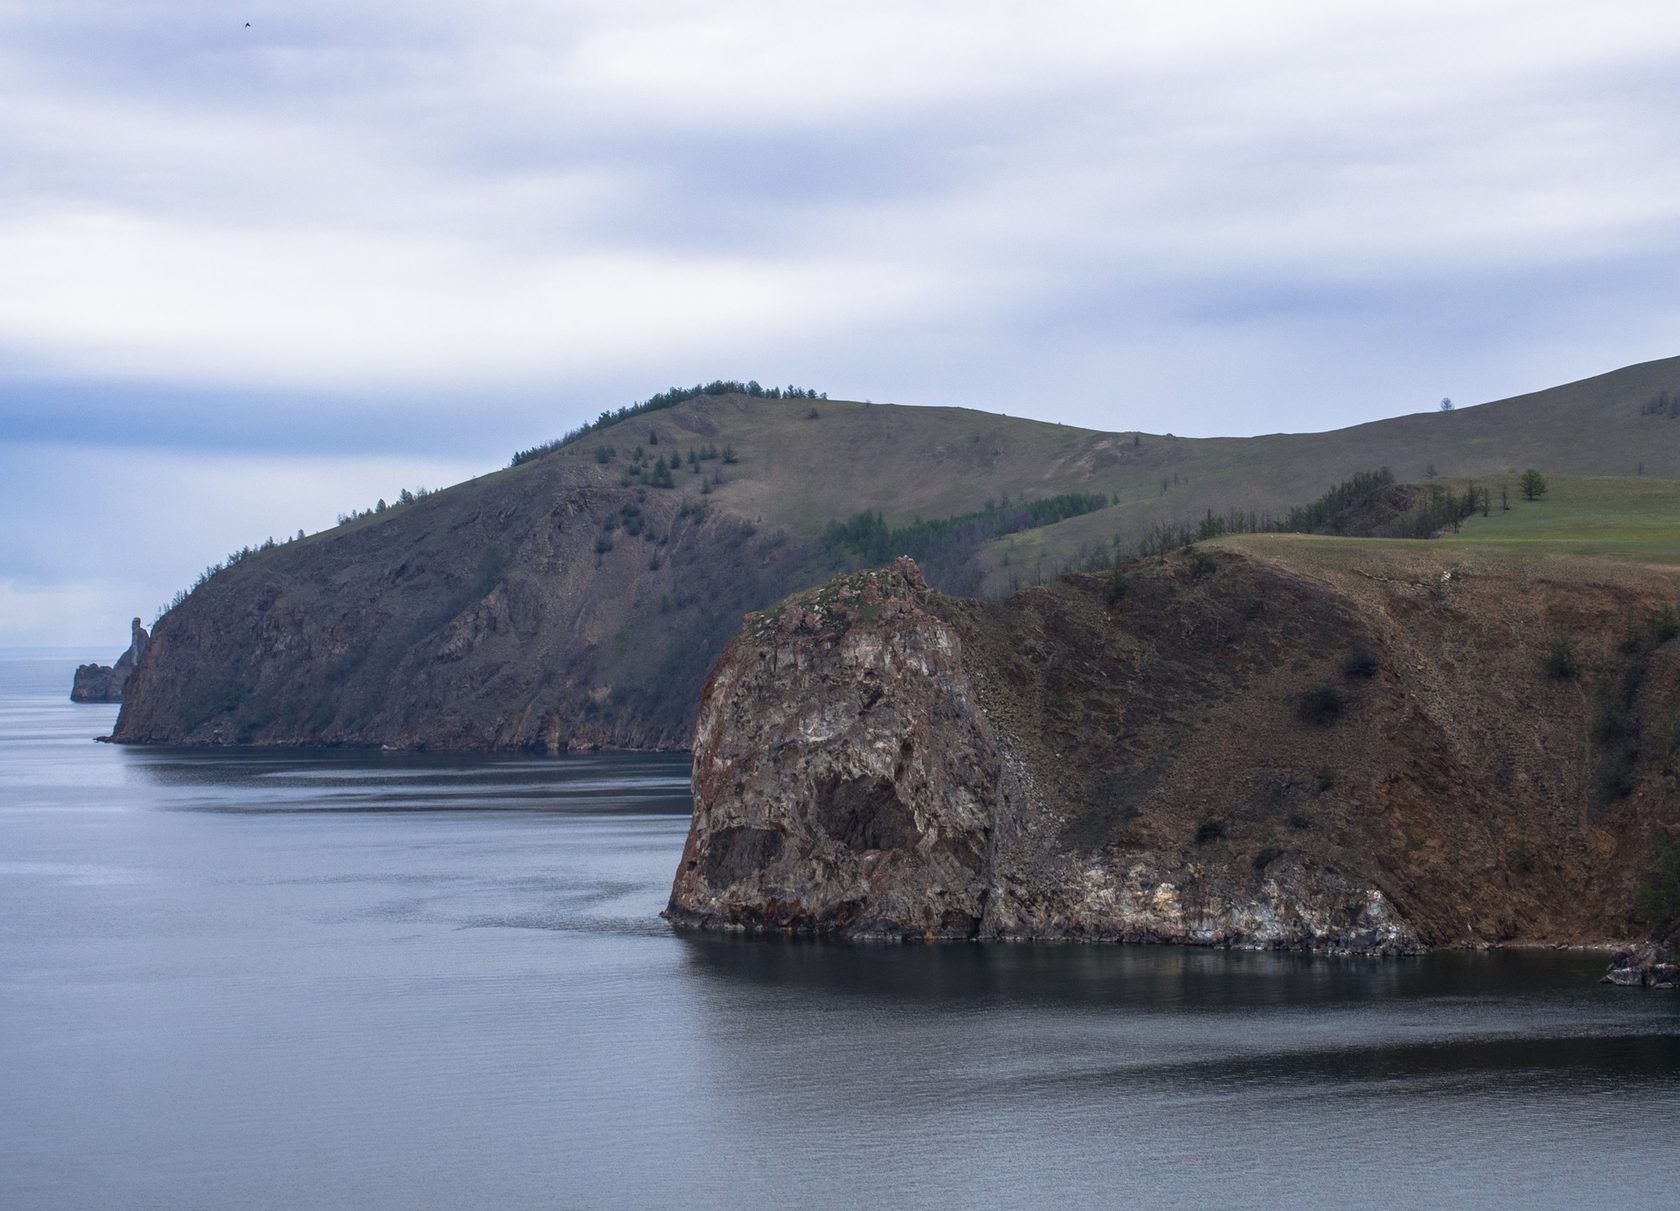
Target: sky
x,y
255,275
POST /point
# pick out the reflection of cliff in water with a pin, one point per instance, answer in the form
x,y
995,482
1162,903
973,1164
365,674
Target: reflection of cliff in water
x,y
1127,977
257,780
1117,1026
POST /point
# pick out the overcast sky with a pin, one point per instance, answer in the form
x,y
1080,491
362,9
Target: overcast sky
x,y
251,276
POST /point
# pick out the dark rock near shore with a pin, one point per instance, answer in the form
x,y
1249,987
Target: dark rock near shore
x,y
105,682
1649,965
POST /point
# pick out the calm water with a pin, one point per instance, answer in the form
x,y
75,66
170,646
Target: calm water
x,y
324,979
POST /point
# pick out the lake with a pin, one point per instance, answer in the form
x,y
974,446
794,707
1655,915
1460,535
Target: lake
x,y
320,978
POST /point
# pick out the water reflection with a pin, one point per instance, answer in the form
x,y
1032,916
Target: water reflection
x,y
255,780
1177,978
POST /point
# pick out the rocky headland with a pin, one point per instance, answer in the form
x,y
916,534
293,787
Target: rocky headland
x,y
105,682
1282,746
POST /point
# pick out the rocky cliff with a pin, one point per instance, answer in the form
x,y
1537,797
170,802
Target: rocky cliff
x,y
1299,745
105,682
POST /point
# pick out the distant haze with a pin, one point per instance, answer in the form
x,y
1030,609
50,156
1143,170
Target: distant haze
x,y
254,276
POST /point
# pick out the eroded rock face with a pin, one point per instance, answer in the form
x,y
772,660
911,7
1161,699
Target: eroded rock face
x,y
1217,751
103,682
854,780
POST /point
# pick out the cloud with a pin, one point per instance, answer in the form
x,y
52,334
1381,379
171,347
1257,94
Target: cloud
x,y
386,197
392,227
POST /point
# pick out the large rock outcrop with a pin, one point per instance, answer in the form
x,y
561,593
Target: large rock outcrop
x,y
1365,755
105,682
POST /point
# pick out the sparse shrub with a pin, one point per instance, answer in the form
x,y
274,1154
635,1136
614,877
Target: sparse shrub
x,y
604,454
1209,830
1116,592
603,544
1326,779
1201,563
1665,625
1267,855
1523,857
492,566
1617,775
1560,661
1299,822
1361,661
1323,704
1611,722
1659,899
813,414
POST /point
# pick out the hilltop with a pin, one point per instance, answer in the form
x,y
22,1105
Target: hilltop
x,y
578,597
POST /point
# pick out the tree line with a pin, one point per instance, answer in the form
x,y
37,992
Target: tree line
x,y
666,399
946,546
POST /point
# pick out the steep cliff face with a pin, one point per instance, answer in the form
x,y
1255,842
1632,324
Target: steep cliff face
x,y
105,682
1227,749
543,610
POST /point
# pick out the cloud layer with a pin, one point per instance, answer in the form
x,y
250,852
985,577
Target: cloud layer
x,y
404,229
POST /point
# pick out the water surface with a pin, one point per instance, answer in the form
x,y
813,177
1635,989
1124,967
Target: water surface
x,y
328,979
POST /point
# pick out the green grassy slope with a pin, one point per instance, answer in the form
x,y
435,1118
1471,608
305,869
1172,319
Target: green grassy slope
x,y
1582,522
1632,518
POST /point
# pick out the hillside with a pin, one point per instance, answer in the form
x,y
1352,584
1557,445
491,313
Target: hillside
x,y
1296,743
572,600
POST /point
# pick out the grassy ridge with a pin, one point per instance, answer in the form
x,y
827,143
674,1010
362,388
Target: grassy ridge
x,y
1622,517
1625,519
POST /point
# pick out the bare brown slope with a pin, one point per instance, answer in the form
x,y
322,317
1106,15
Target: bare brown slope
x,y
544,610
1343,753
